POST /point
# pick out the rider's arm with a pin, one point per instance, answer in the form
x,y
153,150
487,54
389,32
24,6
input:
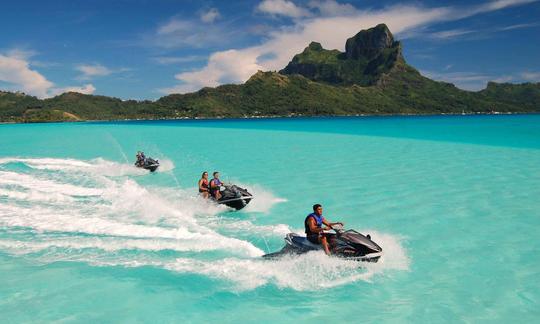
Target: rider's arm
x,y
325,222
313,226
328,225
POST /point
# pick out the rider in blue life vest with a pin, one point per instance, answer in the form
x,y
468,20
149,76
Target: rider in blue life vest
x,y
215,183
314,227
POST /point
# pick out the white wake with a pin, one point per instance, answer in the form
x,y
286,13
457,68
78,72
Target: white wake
x,y
95,212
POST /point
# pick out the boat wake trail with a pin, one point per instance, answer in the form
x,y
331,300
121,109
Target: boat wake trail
x,y
264,199
95,212
68,200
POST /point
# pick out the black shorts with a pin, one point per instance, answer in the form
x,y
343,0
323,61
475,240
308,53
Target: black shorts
x,y
313,238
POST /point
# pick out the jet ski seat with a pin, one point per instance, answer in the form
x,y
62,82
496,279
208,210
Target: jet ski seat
x,y
302,240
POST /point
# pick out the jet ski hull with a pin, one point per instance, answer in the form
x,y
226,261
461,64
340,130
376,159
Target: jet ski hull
x,y
372,257
234,197
237,203
151,168
149,164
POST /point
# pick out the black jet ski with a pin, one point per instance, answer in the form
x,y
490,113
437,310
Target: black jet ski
x,y
347,244
234,196
148,164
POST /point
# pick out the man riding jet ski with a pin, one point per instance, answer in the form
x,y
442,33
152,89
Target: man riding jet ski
x,y
229,194
146,163
347,244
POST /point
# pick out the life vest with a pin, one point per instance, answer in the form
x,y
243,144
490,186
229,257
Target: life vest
x,y
204,183
318,219
215,187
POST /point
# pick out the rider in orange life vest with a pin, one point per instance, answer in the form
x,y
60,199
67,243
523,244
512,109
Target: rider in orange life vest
x,y
314,227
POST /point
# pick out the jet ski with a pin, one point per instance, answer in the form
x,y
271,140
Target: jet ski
x,y
234,196
348,244
148,164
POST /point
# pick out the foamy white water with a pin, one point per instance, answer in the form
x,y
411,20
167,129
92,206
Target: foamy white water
x,y
93,212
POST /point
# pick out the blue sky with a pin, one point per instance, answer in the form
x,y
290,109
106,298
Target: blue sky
x,y
144,49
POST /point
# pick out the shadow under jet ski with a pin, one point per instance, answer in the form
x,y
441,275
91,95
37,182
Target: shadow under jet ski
x,y
148,164
234,196
347,244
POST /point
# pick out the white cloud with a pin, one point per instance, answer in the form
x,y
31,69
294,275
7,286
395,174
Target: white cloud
x,y
531,76
92,70
86,89
282,8
333,8
16,70
236,66
180,33
173,26
500,4
446,34
471,81
223,67
519,26
210,16
504,79
474,81
20,53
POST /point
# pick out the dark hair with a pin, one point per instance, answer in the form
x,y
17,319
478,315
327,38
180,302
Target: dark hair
x,y
215,172
202,175
316,206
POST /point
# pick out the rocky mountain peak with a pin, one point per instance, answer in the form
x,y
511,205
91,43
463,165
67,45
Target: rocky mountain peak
x,y
369,43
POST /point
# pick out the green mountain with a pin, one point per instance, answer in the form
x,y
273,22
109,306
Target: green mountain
x,y
368,55
370,77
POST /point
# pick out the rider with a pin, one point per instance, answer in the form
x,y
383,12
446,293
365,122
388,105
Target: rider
x,y
140,158
314,227
203,185
215,183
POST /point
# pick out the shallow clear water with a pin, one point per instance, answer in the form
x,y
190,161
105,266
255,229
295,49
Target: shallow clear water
x,y
453,201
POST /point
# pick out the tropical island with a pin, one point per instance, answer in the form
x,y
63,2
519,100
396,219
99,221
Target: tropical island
x,y
370,78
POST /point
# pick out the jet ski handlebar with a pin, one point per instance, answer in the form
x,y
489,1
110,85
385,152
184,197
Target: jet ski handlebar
x,y
337,229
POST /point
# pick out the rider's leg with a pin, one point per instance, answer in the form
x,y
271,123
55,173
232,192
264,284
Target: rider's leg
x,y
324,243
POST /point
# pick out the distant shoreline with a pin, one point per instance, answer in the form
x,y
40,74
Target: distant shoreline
x,y
257,117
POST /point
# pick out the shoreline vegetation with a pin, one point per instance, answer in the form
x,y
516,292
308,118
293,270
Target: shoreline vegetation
x,y
494,113
255,117
371,78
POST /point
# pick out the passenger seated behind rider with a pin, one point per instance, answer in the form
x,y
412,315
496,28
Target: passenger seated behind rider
x,y
203,185
215,184
314,228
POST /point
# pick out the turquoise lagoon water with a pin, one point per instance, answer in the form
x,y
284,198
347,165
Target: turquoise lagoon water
x,y
453,201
